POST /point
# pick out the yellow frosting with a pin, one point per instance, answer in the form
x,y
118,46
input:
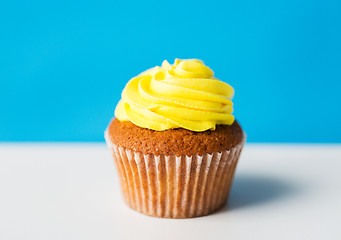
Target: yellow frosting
x,y
182,95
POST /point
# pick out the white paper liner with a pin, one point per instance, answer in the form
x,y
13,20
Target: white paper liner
x,y
175,187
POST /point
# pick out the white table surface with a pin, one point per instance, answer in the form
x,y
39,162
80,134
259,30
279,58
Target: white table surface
x,y
70,191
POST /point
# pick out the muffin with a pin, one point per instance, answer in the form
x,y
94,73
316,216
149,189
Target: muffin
x,y
174,140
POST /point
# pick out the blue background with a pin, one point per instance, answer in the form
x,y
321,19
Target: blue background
x,y
63,64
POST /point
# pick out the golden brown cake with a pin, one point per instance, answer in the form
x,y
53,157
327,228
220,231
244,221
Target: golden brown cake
x,y
174,141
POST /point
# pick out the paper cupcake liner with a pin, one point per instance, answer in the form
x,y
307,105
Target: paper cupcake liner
x,y
175,186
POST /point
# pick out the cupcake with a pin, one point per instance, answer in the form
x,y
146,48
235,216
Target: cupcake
x,y
174,141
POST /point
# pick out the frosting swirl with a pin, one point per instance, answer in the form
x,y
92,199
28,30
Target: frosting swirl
x,y
182,95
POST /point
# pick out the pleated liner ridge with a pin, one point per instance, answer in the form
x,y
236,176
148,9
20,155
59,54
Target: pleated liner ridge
x,y
172,186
